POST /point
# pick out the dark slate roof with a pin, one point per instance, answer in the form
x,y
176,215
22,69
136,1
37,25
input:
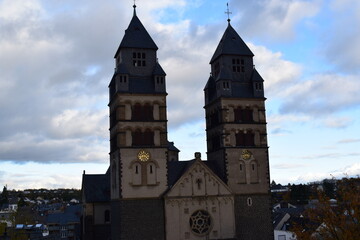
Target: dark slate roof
x,y
231,44
96,187
215,168
277,217
141,85
242,89
136,36
158,70
256,76
172,147
122,69
71,215
210,83
224,74
177,168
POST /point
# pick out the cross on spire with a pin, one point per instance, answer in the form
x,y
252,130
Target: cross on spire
x,y
134,6
228,12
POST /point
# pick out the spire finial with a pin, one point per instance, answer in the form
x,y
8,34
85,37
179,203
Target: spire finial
x,y
134,6
228,12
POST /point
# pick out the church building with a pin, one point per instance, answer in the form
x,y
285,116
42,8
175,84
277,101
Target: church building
x,y
147,192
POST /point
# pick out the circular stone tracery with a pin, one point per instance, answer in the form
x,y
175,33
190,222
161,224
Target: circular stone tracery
x,y
200,222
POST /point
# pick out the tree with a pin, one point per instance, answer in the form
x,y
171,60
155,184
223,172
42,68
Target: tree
x,y
329,188
330,220
299,194
4,197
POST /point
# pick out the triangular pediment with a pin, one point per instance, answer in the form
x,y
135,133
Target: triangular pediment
x,y
198,180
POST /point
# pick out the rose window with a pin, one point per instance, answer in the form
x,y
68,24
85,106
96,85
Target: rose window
x,y
200,222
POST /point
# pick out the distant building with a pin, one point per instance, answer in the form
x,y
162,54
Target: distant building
x,y
65,225
147,193
29,231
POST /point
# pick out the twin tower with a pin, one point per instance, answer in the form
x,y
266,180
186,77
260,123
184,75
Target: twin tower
x,y
155,196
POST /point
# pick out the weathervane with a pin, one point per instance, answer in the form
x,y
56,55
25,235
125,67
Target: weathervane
x,y
227,12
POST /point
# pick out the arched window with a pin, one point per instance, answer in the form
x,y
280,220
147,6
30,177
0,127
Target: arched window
x,y
245,139
249,139
147,112
151,173
107,216
242,172
142,113
137,137
247,115
136,112
142,138
243,115
136,174
148,138
254,174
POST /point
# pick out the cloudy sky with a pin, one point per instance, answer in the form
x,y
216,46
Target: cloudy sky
x,y
56,60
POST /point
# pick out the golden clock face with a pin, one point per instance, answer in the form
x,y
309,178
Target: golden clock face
x,y
143,155
246,154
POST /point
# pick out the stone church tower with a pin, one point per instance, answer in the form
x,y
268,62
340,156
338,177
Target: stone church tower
x,y
147,193
138,137
236,133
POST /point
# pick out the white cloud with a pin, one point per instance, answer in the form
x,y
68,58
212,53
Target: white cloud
x,y
274,19
338,122
325,93
349,141
276,71
76,124
341,36
288,166
348,171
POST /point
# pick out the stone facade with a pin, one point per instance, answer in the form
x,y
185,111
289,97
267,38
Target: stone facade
x,y
199,189
152,195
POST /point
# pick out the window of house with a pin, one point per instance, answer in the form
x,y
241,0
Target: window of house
x,y
249,202
142,113
145,138
242,172
254,175
151,174
243,115
258,86
148,137
136,174
137,137
245,139
123,78
160,80
226,85
238,65
139,59
281,237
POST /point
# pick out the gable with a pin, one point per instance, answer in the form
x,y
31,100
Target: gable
x,y
198,180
